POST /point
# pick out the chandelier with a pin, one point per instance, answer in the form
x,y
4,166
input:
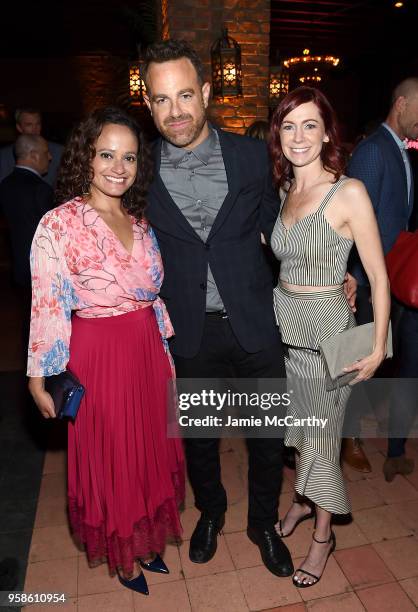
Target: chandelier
x,y
311,69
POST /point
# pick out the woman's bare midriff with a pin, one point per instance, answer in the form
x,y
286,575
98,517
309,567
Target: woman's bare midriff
x,y
306,288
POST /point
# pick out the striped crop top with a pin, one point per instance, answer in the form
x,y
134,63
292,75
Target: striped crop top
x,y
311,251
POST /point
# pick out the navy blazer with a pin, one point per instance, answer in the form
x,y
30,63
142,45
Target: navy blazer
x,y
233,249
377,162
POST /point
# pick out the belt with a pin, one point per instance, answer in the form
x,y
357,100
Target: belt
x,y
219,314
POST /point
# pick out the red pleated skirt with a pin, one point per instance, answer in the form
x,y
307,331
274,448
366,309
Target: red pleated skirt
x,y
125,477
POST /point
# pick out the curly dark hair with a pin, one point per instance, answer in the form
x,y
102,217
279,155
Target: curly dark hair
x,y
333,155
75,173
167,50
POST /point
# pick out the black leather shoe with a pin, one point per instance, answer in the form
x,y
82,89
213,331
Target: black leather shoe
x,y
274,553
203,542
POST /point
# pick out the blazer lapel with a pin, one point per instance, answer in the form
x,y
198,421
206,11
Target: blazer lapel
x,y
229,154
398,156
158,191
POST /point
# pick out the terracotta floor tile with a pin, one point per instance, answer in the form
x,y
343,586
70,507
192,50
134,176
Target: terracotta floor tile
x,y
363,495
400,555
396,491
93,580
410,586
370,446
52,543
55,462
70,605
242,550
53,485
264,590
376,461
170,597
51,511
52,577
236,517
299,607
220,593
346,602
189,518
116,601
386,598
380,523
221,562
407,512
413,478
349,535
363,566
333,582
172,559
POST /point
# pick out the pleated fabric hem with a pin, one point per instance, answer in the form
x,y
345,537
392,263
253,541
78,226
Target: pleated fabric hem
x,y
149,534
319,479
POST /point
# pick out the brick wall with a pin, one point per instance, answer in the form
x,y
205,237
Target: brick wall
x,y
248,21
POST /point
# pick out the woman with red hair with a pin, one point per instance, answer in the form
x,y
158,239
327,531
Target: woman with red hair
x,y
322,214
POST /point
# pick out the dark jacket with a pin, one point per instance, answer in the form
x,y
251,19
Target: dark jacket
x,y
24,199
378,163
233,250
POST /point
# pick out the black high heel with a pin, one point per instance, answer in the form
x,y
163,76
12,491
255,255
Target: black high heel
x,y
305,517
305,585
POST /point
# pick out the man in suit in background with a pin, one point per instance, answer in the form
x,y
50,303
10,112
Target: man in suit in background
x,y
28,121
24,198
382,163
211,197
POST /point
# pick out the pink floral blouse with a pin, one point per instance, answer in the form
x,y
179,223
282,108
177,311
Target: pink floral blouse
x,y
78,264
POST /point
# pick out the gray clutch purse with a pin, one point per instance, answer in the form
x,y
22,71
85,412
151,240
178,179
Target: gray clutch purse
x,y
344,349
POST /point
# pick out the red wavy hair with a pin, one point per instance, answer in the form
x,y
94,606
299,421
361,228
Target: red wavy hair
x,y
333,155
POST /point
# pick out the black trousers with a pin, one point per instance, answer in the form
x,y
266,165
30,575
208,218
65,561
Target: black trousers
x,y
220,355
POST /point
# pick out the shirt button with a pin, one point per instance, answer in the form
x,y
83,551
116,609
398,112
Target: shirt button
x,y
198,202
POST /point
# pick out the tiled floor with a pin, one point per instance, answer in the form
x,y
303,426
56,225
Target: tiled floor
x,y
374,568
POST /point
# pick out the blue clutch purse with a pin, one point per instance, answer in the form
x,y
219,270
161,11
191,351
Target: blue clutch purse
x,y
67,393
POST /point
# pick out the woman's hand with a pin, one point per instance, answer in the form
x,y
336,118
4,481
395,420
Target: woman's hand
x,y
366,367
42,398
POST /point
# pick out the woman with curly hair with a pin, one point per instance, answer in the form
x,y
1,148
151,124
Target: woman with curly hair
x,y
96,274
322,214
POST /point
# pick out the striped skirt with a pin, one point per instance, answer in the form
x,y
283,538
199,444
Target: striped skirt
x,y
305,320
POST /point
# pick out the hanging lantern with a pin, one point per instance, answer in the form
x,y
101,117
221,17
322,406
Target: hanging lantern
x,y
278,84
136,84
226,67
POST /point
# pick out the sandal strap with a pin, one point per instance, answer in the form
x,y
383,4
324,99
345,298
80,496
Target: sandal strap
x,y
308,573
331,535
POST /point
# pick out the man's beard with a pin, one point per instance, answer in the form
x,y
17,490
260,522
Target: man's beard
x,y
190,133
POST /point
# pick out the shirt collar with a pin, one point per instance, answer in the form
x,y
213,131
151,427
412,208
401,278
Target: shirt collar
x,y
28,168
202,152
401,144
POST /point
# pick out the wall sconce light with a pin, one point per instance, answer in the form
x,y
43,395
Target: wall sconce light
x,y
226,67
136,84
278,84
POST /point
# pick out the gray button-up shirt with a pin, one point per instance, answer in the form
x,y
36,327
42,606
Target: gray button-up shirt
x,y
402,148
196,180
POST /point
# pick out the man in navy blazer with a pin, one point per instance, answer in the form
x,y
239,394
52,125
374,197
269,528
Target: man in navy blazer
x,y
211,198
382,163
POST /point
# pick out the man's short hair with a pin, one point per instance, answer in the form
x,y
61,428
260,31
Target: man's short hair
x,y
30,110
25,144
168,50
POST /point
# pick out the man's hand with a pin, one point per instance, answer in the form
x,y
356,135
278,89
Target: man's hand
x,y
350,290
